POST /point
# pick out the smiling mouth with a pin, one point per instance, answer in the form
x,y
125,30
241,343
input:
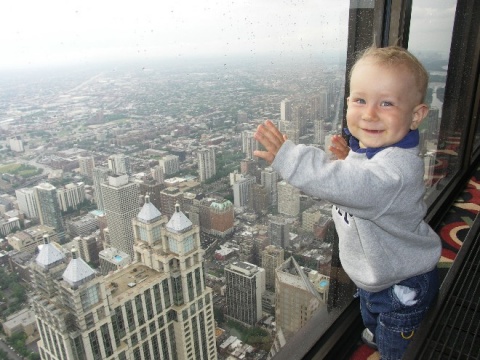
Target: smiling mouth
x,y
373,131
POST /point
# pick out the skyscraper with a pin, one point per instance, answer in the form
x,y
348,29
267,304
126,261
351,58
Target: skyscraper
x,y
121,201
258,199
71,195
48,208
319,131
279,231
272,257
241,190
100,176
249,144
169,197
206,163
288,199
157,174
173,250
245,284
269,179
286,110
86,164
170,164
155,308
119,164
27,202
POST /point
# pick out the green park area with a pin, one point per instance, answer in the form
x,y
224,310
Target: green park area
x,y
25,171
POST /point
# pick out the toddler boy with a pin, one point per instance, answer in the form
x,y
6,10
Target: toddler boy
x,y
377,191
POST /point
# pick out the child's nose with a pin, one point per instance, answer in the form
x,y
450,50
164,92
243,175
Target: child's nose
x,y
369,114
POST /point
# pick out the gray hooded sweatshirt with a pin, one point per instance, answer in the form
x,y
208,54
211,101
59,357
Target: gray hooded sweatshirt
x,y
378,209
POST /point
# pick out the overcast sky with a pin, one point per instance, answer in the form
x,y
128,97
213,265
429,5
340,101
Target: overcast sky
x,y
38,32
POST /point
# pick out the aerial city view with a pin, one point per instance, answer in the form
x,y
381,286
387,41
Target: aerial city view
x,y
135,221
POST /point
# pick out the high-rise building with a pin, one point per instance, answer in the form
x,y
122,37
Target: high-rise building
x,y
288,199
87,248
49,209
121,202
152,188
245,284
27,202
157,174
272,257
86,164
169,198
258,199
170,164
82,225
320,107
286,110
319,132
241,190
70,196
173,250
309,217
155,308
279,231
297,296
119,164
249,144
100,176
206,163
269,179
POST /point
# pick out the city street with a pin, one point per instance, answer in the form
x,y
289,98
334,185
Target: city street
x,y
12,355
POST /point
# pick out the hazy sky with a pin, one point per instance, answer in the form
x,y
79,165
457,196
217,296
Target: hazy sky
x,y
50,31
38,32
431,25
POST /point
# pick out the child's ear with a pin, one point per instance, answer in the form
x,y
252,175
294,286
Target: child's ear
x,y
419,113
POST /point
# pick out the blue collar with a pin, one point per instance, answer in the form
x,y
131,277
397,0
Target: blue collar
x,y
411,140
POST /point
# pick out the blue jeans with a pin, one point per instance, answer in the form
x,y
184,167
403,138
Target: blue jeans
x,y
392,322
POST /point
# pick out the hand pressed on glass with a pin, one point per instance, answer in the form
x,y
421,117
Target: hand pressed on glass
x,y
339,147
271,138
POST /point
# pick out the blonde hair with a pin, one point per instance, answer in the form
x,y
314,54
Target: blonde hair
x,y
397,56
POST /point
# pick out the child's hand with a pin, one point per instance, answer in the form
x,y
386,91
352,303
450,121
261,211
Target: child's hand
x,y
339,147
271,138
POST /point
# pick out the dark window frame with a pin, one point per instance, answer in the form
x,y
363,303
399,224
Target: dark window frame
x,y
388,23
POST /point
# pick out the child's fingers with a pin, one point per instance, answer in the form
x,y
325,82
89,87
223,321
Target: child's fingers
x,y
339,147
269,136
272,132
269,157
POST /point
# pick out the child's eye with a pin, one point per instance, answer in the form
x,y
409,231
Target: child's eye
x,y
359,101
386,103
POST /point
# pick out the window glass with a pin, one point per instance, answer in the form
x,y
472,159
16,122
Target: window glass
x,y
430,40
157,81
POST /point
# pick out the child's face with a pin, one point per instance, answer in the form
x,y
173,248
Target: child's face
x,y
384,104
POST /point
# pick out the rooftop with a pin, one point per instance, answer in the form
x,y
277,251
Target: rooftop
x,y
131,280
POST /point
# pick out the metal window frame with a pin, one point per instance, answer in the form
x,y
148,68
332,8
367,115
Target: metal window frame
x,y
391,25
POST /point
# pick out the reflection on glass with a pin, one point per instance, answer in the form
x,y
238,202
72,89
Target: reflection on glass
x,y
430,39
170,94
